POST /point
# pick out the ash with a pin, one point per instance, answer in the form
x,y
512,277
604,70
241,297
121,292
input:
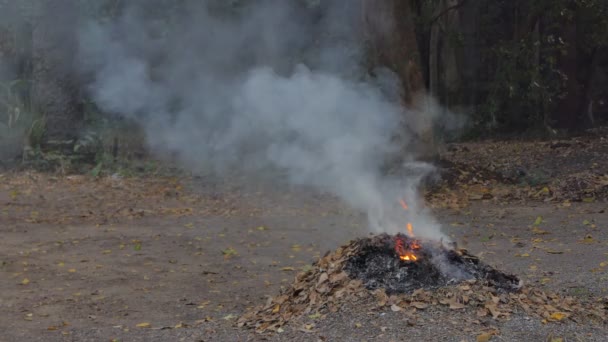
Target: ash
x,y
378,266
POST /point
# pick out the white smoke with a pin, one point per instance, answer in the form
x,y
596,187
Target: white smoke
x,y
271,86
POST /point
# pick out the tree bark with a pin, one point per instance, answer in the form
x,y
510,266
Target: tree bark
x,y
55,88
392,34
567,111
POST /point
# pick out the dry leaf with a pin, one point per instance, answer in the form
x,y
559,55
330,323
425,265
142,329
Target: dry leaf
x,y
553,251
456,305
557,316
485,337
143,325
419,305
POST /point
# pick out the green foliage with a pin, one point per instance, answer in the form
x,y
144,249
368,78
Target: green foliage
x,y
521,47
20,124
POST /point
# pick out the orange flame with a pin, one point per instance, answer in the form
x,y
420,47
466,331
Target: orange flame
x,y
406,253
408,257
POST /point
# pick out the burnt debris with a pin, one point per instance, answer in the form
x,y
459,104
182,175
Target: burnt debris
x,y
378,265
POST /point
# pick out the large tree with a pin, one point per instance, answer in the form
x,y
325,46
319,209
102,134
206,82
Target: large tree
x,y
391,34
56,91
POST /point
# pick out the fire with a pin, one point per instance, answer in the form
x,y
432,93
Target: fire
x,y
403,204
406,251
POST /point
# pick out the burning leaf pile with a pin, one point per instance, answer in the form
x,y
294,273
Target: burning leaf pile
x,y
373,269
419,265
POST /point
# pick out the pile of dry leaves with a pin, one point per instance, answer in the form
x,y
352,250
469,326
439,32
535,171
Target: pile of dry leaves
x,y
551,171
327,287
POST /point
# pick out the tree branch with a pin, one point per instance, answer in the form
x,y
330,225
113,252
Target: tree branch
x,y
445,11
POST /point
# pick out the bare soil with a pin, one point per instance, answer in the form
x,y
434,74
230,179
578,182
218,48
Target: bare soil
x,y
179,259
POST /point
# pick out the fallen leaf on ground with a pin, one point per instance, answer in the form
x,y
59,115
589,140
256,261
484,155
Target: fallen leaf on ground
x,y
395,308
557,316
538,231
419,305
485,337
143,325
229,252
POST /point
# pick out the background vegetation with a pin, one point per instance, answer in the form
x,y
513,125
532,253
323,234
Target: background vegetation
x,y
512,66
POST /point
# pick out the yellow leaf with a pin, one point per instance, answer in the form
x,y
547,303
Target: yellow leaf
x,y
485,337
314,316
262,228
25,281
358,325
143,325
557,316
52,327
539,231
72,270
276,308
538,221
588,239
287,269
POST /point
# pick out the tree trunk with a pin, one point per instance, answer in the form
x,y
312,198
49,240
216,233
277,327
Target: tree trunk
x,y
391,31
567,111
470,54
55,89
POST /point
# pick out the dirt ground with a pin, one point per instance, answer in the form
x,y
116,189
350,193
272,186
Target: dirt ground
x,y
179,259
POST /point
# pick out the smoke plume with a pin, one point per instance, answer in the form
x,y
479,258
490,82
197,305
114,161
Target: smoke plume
x,y
257,87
